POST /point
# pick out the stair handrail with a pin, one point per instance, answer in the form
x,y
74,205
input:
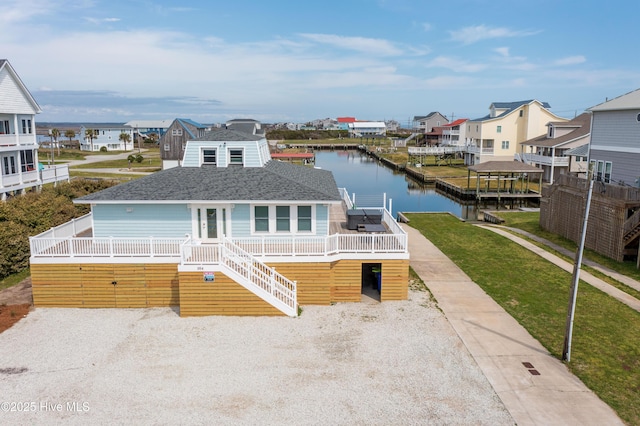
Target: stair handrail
x,y
631,223
260,275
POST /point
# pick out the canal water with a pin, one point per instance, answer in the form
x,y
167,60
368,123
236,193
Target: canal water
x,y
364,175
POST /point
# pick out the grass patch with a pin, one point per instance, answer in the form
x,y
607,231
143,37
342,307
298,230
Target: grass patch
x,y
14,279
606,340
530,222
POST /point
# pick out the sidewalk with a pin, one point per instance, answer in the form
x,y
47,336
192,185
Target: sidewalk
x,y
535,387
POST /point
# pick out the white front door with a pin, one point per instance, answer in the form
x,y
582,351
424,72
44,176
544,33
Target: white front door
x,y
211,223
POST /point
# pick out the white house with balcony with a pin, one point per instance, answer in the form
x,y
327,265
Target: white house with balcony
x,y
550,151
454,133
229,232
19,166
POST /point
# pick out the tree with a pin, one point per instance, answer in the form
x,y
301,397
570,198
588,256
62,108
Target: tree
x,y
91,135
124,137
55,134
69,134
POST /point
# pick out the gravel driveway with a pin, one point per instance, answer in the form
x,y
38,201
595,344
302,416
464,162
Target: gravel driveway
x,y
389,363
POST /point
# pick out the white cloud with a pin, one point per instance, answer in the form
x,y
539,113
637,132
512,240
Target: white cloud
x,y
473,34
98,21
372,46
570,60
454,64
426,26
503,51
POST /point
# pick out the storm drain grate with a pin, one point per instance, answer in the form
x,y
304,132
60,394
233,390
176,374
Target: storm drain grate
x,y
531,368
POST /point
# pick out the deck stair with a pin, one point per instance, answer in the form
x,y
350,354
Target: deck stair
x,y
632,227
246,270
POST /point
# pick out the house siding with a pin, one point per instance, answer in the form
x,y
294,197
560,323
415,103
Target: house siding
x,y
322,219
625,167
251,153
161,285
241,221
142,220
12,99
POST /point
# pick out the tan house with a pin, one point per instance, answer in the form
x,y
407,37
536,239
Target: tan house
x,y
497,136
551,150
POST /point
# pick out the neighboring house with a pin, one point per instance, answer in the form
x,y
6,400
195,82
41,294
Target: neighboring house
x,y
497,136
615,139
174,141
230,232
246,125
145,128
549,151
392,125
614,156
106,135
20,169
579,160
454,133
434,136
343,122
367,129
424,123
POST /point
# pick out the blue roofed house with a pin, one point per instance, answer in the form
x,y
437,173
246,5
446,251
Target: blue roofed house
x,y
497,136
174,140
229,232
19,165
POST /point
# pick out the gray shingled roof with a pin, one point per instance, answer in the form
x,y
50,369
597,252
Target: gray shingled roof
x,y
226,135
627,101
276,181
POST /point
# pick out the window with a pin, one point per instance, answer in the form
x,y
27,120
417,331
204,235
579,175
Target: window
x,y
521,113
235,157
638,118
9,165
176,132
499,129
599,170
167,147
261,218
4,127
26,160
208,156
505,144
304,218
283,218
607,171
26,126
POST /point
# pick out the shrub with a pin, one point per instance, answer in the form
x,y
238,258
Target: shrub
x,y
35,212
139,158
103,149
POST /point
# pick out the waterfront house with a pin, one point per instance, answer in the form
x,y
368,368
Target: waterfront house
x,y
424,123
550,151
19,163
174,140
614,154
454,133
145,128
106,135
496,137
367,129
229,232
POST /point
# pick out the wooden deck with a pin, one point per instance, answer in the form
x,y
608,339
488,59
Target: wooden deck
x,y
338,221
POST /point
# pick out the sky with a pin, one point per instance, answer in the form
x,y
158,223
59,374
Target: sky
x,y
295,61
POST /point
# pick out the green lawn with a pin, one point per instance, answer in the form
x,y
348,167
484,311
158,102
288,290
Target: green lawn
x,y
14,279
606,340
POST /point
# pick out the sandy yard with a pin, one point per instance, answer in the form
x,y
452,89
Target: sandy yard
x,y
389,363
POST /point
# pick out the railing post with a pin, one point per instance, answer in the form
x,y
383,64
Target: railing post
x,y
151,246
110,246
70,239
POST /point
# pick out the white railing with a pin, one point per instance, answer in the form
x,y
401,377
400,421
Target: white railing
x,y
9,140
74,247
434,150
247,270
55,173
546,160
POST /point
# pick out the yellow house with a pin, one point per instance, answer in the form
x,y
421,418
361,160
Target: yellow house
x,y
497,136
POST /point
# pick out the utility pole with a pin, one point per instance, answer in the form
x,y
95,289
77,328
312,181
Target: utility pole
x,y
566,351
